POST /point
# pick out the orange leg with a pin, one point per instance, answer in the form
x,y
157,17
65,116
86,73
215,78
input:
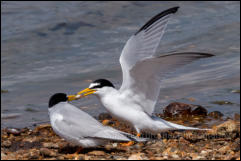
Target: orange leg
x,y
105,122
130,143
75,155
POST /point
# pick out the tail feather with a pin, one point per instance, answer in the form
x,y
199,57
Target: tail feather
x,y
165,125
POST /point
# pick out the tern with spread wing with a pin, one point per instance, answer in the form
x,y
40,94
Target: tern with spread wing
x,y
142,72
78,127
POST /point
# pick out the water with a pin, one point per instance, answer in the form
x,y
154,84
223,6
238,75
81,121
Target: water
x,y
50,47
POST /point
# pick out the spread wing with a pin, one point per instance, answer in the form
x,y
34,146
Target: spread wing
x,y
143,43
145,77
142,72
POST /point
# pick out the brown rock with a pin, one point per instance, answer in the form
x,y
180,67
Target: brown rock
x,y
199,110
177,109
182,109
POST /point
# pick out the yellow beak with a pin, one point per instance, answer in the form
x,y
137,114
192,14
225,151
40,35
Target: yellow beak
x,y
71,97
85,92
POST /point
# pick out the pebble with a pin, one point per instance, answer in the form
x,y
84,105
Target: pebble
x,y
135,157
97,153
47,152
7,143
215,114
51,145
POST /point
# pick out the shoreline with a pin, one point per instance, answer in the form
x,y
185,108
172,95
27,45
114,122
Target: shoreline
x,y
222,142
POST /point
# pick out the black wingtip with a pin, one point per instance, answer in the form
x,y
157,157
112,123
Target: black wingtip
x,y
157,17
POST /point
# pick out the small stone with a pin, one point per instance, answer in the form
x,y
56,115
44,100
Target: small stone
x,y
13,131
51,145
108,147
3,156
97,153
7,143
114,145
224,149
237,117
229,125
215,114
60,157
135,157
196,156
47,153
34,154
175,156
203,152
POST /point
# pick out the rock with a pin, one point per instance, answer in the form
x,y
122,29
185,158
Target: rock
x,y
6,143
47,153
195,156
198,110
175,156
97,153
224,149
13,131
228,126
108,147
51,145
215,114
237,117
135,157
182,109
34,154
177,109
3,156
204,153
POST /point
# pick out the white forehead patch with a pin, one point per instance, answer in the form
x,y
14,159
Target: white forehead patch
x,y
93,84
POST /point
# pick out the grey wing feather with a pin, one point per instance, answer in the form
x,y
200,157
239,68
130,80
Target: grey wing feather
x,y
146,75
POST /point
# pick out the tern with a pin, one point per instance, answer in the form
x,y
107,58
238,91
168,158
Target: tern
x,y
142,72
78,127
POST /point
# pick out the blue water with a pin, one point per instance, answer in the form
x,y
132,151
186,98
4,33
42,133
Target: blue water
x,y
50,47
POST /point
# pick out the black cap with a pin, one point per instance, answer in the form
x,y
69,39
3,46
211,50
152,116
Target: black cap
x,y
57,98
102,83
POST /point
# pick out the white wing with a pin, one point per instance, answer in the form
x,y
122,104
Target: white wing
x,y
141,71
78,124
143,43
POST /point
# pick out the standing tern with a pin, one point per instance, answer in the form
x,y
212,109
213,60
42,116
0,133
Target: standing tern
x,y
78,127
142,72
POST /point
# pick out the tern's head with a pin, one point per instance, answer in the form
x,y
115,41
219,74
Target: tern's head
x,y
60,97
98,87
